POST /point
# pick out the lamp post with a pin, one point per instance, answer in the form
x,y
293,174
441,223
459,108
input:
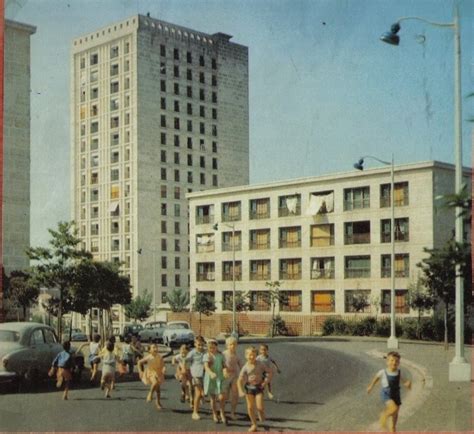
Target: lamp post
x,y
139,251
459,368
392,342
234,333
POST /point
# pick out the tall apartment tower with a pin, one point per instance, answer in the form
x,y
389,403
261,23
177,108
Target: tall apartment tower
x,y
157,111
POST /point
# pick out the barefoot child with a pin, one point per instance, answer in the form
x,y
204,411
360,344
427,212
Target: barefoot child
x,y
214,379
195,357
251,384
127,356
232,368
183,374
62,366
94,359
264,357
390,392
109,362
154,373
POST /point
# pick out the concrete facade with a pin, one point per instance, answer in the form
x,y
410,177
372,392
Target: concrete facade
x,y
157,110
322,255
16,153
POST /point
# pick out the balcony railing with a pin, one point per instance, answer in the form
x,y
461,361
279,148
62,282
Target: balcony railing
x,y
204,248
285,212
289,244
322,273
259,276
322,241
355,273
227,246
254,245
231,217
386,272
207,276
204,219
399,236
290,275
357,238
227,276
255,215
356,204
403,201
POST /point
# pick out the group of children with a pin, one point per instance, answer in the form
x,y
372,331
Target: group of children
x,y
221,376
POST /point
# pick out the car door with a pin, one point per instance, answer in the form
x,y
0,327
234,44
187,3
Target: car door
x,y
40,351
54,347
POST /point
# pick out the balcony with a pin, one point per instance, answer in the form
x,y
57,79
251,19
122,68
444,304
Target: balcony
x,y
290,275
254,245
363,238
208,276
322,241
356,273
289,244
254,275
227,246
386,272
227,276
204,219
285,212
322,273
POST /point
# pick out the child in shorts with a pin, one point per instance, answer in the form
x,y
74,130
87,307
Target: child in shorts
x,y
390,392
265,358
214,379
196,358
253,378
94,359
232,367
109,361
127,355
62,367
183,373
154,373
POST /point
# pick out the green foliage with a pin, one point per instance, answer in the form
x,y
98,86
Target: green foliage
x,y
359,302
242,302
22,291
204,304
178,300
278,326
334,326
139,308
275,296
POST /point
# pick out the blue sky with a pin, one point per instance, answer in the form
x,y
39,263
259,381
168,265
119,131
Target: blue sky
x,y
323,89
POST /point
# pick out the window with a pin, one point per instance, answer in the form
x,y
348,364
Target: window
x,y
214,80
164,245
114,104
214,180
214,97
214,163
177,228
114,52
214,147
83,63
290,269
356,198
205,243
163,209
176,124
292,301
37,337
231,211
322,268
163,174
401,301
201,78
356,267
94,76
176,175
94,195
402,232
164,262
114,87
114,122
176,88
114,157
357,232
163,156
163,85
189,57
115,246
190,108
214,63
227,299
114,69
323,301
176,140
163,68
260,269
114,227
214,130
177,280
259,239
176,71
227,271
259,208
190,177
190,128
114,192
357,301
94,59
289,205
190,160
177,193
229,243
201,94
163,138
177,246
259,301
94,127
214,113
202,162
289,237
177,263
189,93
163,121
94,93
114,175
402,265
322,235
201,60
202,128
94,229
94,212
164,280
163,191
163,103
205,214
176,54
162,50
205,271
401,194
202,178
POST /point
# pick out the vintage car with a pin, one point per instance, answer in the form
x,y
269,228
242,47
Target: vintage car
x,y
27,351
130,330
177,333
153,332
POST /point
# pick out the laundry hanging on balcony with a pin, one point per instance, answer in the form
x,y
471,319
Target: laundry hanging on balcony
x,y
205,239
320,204
292,204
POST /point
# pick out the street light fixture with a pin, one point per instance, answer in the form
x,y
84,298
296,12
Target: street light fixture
x,y
392,342
140,251
234,333
459,368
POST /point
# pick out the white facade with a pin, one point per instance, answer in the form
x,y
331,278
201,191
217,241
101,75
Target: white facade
x,y
324,238
157,110
16,151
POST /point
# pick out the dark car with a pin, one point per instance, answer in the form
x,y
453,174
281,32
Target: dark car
x,y
131,330
153,332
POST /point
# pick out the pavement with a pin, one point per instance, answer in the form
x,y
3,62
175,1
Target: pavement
x,y
433,404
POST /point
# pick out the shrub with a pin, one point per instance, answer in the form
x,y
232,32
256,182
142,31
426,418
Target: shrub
x,y
382,327
279,326
334,326
410,328
366,327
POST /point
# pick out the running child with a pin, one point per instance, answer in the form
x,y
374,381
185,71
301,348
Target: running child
x,y
109,361
390,392
183,374
214,380
62,367
153,374
253,378
195,357
264,357
127,357
232,368
94,359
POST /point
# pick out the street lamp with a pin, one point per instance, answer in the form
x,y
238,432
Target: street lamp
x,y
139,251
392,341
234,333
459,368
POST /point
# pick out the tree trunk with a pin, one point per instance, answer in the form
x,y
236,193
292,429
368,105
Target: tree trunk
x,y
59,325
199,323
446,346
24,313
418,331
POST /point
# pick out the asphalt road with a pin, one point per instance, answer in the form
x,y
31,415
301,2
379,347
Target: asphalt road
x,y
319,389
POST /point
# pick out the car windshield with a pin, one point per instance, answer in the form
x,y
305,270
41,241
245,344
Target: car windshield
x,y
179,325
9,336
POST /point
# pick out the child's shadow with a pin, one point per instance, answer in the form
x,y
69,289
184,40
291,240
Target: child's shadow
x,y
299,402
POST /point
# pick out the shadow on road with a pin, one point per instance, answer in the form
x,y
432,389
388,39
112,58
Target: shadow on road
x,y
300,402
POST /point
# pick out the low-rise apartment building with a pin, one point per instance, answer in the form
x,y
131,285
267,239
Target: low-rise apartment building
x,y
327,239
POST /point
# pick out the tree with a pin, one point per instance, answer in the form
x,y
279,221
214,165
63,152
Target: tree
x,y
419,299
275,296
204,305
439,274
22,291
140,307
54,267
178,300
359,301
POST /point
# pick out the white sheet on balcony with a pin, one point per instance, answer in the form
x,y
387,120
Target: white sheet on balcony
x,y
291,204
320,204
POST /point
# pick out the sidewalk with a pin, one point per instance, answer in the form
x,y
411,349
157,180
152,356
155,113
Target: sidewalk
x,y
447,406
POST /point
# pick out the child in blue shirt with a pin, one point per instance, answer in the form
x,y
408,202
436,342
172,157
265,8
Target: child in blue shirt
x,y
62,365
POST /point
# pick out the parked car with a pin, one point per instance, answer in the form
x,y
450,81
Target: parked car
x,y
177,333
77,335
27,351
153,332
130,330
